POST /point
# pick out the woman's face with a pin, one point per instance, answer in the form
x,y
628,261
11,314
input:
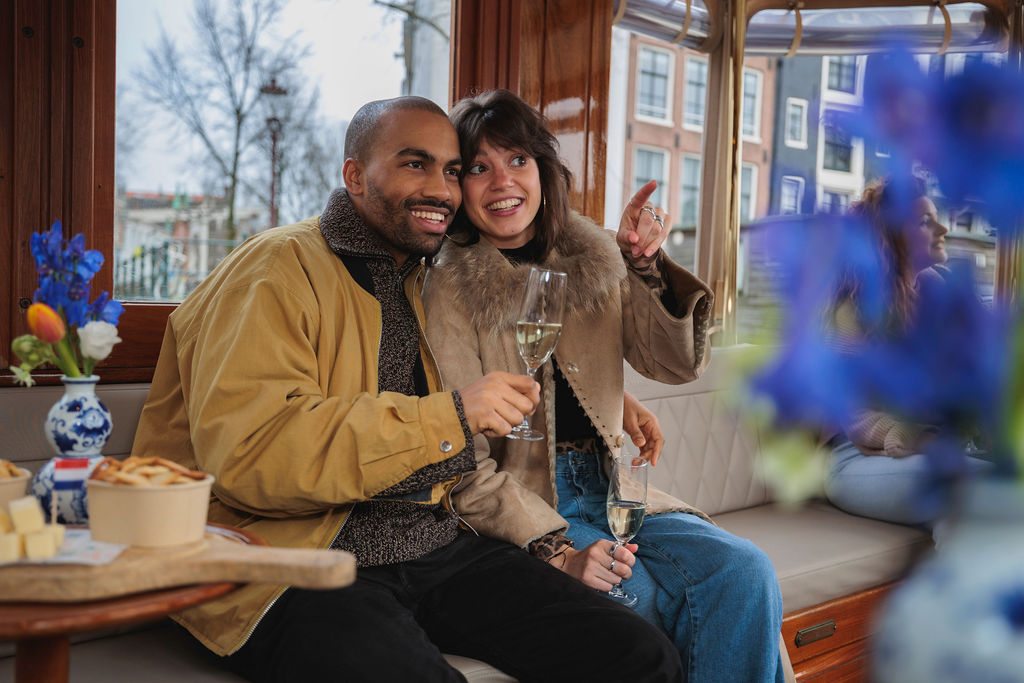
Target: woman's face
x,y
926,239
501,194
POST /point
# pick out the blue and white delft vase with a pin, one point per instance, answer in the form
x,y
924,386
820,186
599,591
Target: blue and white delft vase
x,y
959,617
77,426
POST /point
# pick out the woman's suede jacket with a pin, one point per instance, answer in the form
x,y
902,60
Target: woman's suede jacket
x,y
472,297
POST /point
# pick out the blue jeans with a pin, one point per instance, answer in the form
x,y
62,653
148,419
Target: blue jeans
x,y
901,490
714,594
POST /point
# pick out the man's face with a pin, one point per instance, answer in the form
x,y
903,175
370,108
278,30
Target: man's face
x,y
410,182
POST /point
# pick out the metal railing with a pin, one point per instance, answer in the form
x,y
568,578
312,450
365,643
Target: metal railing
x,y
167,271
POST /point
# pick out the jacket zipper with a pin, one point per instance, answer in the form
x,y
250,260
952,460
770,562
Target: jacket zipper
x,y
252,629
440,378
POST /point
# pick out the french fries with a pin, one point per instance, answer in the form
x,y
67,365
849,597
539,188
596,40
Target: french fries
x,y
151,471
8,470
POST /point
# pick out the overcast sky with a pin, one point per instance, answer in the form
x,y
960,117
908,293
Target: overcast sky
x,y
353,44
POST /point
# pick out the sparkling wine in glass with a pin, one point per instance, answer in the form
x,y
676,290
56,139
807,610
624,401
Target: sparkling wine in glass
x,y
627,504
537,330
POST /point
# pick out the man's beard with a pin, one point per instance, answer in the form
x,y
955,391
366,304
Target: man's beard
x,y
391,222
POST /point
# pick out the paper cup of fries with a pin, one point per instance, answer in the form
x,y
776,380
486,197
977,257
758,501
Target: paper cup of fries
x,y
13,482
147,502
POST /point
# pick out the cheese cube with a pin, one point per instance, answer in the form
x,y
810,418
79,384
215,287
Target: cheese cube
x,y
39,545
11,547
6,526
57,531
26,514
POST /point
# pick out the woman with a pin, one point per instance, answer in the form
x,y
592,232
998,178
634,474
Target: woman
x,y
877,467
625,299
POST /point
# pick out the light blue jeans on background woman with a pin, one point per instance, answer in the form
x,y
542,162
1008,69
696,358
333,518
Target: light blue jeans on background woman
x,y
901,490
715,595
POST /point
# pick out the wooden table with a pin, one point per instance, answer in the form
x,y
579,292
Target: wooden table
x,y
42,629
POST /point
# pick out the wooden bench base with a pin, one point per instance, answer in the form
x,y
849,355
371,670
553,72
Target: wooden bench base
x,y
829,642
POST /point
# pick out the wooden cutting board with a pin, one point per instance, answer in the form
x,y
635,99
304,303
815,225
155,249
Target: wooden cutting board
x,y
223,555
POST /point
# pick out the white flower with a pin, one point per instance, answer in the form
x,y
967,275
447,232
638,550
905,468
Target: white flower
x,y
22,376
97,339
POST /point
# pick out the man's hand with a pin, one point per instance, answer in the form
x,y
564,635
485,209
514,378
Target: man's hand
x,y
593,564
498,401
643,428
642,228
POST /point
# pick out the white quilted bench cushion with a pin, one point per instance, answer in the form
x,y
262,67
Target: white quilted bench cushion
x,y
821,553
166,654
710,454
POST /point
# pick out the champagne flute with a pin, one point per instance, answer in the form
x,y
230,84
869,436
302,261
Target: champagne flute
x,y
627,504
537,330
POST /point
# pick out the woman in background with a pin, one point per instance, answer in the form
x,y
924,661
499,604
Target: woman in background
x,y
708,589
877,466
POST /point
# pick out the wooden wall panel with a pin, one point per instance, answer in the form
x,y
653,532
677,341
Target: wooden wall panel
x,y
35,82
9,275
57,138
556,55
485,46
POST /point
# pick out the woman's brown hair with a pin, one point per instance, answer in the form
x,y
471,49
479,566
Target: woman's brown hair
x,y
885,206
503,119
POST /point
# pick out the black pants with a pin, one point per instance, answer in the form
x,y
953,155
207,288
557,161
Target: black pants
x,y
476,597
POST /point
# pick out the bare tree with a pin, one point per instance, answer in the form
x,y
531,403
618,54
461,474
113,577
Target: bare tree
x,y
311,168
211,87
128,132
415,17
310,154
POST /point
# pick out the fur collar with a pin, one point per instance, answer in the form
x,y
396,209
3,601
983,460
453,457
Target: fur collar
x,y
491,287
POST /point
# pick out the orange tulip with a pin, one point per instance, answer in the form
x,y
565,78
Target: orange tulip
x,y
44,323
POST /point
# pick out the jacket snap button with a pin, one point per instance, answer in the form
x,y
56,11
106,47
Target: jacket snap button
x,y
573,368
446,446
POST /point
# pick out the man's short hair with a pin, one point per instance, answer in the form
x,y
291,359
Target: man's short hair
x,y
363,127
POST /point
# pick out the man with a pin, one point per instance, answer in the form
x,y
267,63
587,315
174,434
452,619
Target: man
x,y
297,374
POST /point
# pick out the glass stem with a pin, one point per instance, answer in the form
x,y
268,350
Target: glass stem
x,y
617,588
524,426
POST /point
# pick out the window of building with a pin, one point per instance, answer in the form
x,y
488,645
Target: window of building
x,y
842,73
695,92
751,121
650,163
964,221
689,197
796,123
748,192
834,202
838,150
654,83
791,194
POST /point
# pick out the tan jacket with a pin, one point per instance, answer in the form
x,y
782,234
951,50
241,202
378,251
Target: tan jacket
x,y
272,392
472,298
